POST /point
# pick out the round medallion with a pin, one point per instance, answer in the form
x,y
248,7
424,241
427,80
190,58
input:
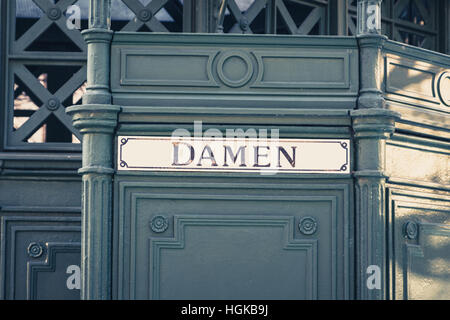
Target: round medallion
x,y
235,68
443,88
35,250
145,15
54,13
411,230
159,224
308,226
53,104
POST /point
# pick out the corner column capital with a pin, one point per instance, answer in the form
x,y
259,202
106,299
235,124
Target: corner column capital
x,y
374,123
94,118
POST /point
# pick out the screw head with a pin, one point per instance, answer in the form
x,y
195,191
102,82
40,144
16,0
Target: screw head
x,y
145,15
54,13
53,104
243,24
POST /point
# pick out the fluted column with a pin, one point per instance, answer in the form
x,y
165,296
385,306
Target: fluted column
x,y
372,126
96,119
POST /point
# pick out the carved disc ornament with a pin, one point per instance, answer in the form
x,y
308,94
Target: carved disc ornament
x,y
411,230
159,224
443,87
54,13
35,250
308,226
235,68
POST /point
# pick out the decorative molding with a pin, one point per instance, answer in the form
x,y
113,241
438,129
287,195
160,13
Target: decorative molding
x,y
373,123
372,126
399,71
136,190
94,118
178,242
97,234
309,64
305,120
159,224
419,250
10,226
35,250
411,230
443,87
370,65
156,67
190,69
160,71
47,265
246,69
409,213
308,226
431,157
417,79
370,230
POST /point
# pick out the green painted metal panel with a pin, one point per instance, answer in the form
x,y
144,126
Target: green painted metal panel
x,y
211,237
198,235
239,71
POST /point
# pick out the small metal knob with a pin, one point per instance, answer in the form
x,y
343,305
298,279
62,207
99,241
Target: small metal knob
x,y
53,104
54,13
243,24
145,15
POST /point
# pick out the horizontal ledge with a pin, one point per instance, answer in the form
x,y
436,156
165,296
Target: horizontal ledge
x,y
284,130
102,108
370,174
415,52
235,175
235,111
239,39
41,175
375,113
40,156
40,209
418,184
67,57
96,170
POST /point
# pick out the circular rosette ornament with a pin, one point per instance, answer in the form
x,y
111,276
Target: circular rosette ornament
x,y
159,224
308,226
35,250
411,230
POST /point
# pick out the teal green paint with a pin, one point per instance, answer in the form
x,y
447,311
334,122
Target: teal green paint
x,y
364,102
96,119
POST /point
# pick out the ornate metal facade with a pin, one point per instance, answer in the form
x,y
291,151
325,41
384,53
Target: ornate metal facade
x,y
45,60
43,65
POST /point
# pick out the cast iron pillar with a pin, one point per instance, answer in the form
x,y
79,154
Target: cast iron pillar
x,y
372,126
97,119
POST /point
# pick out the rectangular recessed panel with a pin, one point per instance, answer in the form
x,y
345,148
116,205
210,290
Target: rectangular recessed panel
x,y
418,163
212,240
304,70
165,68
411,79
251,257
